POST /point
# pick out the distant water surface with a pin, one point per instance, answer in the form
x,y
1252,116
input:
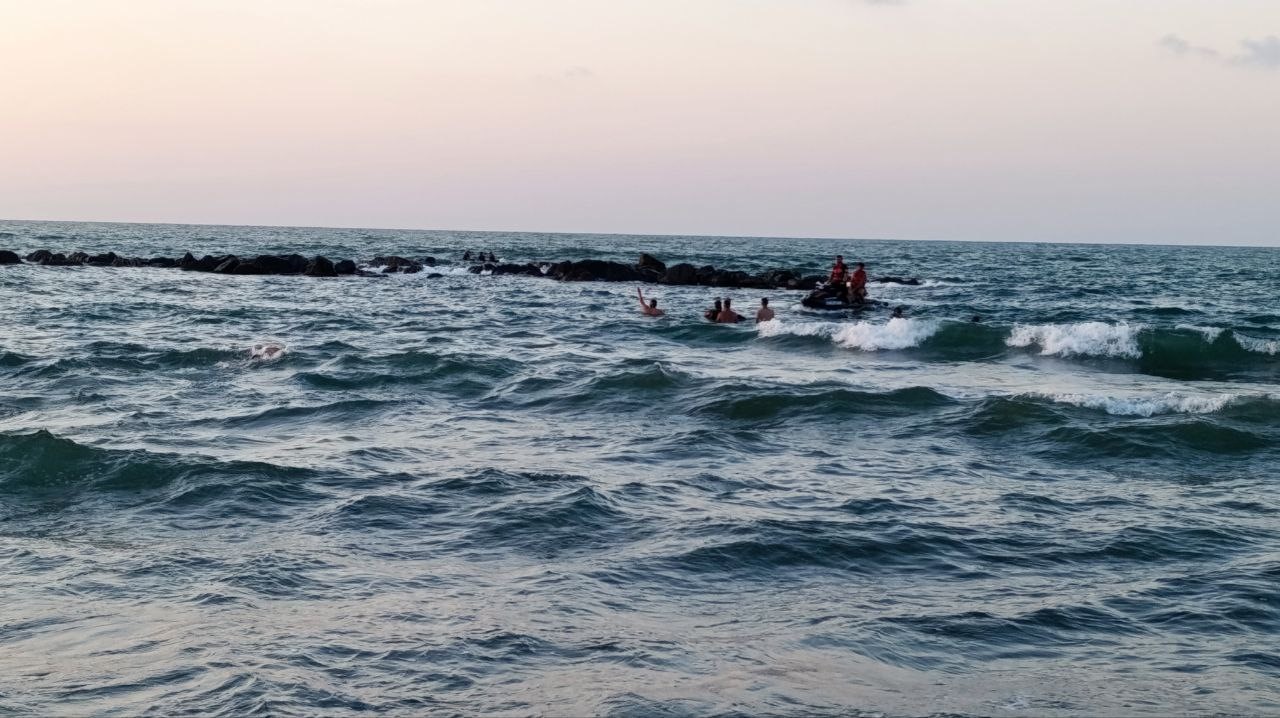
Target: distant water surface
x,y
474,494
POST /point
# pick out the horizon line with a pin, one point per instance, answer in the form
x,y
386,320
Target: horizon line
x,y
660,235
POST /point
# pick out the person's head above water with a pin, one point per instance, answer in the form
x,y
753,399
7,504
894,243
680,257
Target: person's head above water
x,y
726,302
718,303
653,303
861,265
764,301
839,259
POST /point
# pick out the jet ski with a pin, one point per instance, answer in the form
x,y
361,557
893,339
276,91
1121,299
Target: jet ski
x,y
830,299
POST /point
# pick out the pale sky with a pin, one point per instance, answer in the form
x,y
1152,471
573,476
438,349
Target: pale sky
x,y
1054,120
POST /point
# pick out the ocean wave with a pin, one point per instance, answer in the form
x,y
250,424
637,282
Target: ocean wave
x,y
1079,339
895,334
40,464
820,402
1146,406
1269,347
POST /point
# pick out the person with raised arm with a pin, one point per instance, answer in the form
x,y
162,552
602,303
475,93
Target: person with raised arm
x,y
650,309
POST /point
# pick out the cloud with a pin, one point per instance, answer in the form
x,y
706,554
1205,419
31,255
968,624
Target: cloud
x,y
1181,47
1264,53
1260,53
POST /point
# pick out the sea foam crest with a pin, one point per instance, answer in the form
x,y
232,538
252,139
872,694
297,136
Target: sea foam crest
x,y
895,334
1081,338
1210,334
1258,346
1248,343
1147,405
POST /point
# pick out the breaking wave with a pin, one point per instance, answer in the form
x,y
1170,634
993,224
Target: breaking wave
x,y
896,334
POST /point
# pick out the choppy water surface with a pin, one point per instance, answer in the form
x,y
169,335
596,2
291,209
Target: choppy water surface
x,y
509,495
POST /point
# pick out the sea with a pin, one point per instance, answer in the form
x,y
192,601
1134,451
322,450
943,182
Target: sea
x,y
1049,489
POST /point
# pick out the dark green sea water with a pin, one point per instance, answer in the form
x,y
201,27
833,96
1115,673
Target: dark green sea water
x,y
476,494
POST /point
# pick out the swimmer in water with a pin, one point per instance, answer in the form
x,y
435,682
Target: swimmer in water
x,y
727,315
650,309
713,313
764,313
899,313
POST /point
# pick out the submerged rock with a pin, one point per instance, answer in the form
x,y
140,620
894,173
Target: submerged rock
x,y
7,257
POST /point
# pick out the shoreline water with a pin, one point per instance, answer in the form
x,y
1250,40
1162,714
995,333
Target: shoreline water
x,y
478,494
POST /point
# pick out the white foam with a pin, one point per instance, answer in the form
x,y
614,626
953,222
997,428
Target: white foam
x,y
866,336
1210,334
1082,338
267,351
1147,405
776,328
1260,346
895,334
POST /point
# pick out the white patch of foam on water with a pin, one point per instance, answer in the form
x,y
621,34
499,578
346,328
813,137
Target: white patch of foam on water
x,y
777,328
1081,338
267,351
866,336
1210,334
1259,346
1147,405
895,334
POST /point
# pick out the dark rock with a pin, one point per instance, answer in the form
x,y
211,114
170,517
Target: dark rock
x,y
273,264
434,275
588,270
81,258
227,266
187,262
730,279
913,282
165,262
429,261
208,263
249,268
57,260
649,275
101,260
320,267
680,274
345,266
530,270
647,261
395,264
779,278
127,262
39,256
7,257
297,263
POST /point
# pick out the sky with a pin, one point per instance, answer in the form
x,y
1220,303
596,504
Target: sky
x,y
1034,120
